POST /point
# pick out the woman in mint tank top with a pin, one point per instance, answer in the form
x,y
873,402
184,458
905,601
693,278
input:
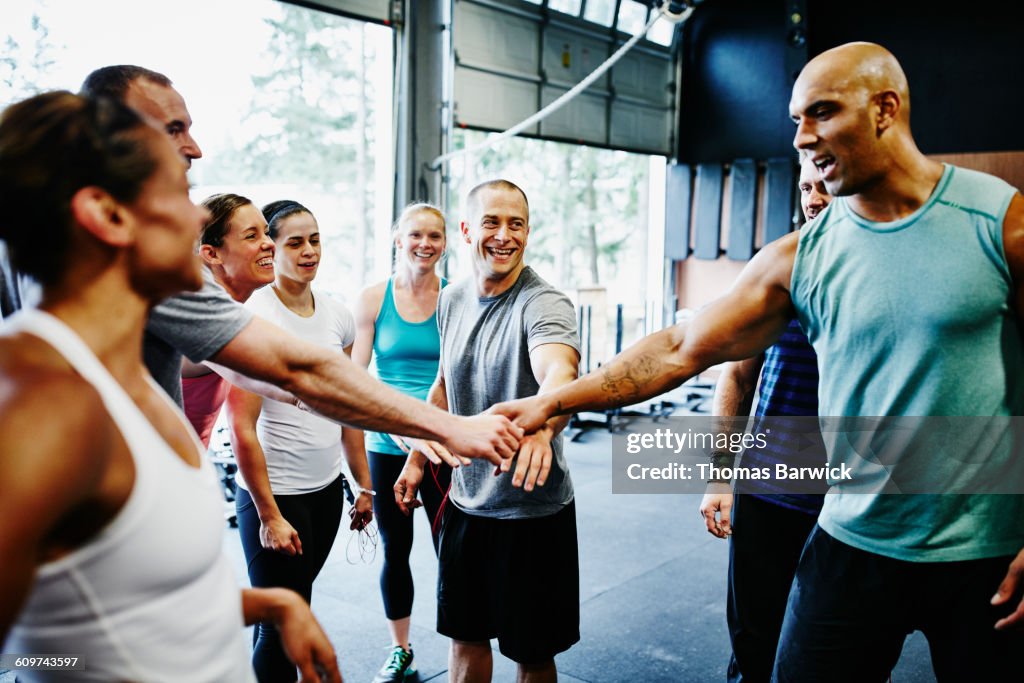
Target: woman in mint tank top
x,y
396,325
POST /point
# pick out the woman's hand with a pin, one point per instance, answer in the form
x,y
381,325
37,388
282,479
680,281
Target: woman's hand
x,y
278,535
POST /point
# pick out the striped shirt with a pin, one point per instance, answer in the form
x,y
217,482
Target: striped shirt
x,y
789,388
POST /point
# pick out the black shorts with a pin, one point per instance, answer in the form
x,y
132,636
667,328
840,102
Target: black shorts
x,y
517,580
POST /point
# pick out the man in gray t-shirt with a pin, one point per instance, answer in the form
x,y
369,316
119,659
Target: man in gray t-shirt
x,y
486,346
509,561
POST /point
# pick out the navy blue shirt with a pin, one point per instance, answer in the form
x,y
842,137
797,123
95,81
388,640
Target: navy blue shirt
x,y
789,387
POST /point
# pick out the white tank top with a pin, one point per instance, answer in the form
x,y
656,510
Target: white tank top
x,y
303,450
151,597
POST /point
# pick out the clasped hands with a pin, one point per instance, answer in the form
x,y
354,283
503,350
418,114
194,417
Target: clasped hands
x,y
530,464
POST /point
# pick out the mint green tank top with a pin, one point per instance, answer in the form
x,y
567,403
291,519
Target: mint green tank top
x,y
914,318
405,357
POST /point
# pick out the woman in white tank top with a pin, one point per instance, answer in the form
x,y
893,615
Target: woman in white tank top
x,y
109,519
290,484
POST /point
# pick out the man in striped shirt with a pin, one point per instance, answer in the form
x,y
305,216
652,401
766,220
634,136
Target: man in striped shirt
x,y
767,528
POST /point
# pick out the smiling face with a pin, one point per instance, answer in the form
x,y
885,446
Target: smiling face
x,y
497,233
246,256
813,196
420,241
297,247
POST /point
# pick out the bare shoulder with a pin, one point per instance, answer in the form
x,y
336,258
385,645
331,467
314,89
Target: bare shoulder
x,y
54,428
773,264
1013,226
369,301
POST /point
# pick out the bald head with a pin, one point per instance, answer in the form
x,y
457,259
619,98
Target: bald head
x,y
858,67
852,115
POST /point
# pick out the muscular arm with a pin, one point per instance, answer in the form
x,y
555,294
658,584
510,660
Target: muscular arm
x,y
335,387
553,365
47,475
748,319
1013,247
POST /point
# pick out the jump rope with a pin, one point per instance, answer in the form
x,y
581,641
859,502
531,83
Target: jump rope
x,y
365,539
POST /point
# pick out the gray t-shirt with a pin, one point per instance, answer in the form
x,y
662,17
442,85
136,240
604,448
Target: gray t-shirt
x,y
194,324
485,353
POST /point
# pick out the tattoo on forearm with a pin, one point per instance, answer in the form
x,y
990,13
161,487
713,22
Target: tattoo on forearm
x,y
626,381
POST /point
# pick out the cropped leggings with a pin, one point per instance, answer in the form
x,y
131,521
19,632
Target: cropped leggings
x,y
396,584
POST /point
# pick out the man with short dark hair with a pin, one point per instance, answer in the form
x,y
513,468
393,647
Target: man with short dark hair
x,y
151,94
508,557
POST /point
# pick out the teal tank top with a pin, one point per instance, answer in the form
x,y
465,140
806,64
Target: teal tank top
x,y
405,357
913,318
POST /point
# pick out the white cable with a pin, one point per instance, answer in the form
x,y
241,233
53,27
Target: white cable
x,y
569,94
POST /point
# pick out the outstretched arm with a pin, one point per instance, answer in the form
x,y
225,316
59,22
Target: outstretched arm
x,y
329,383
744,322
553,365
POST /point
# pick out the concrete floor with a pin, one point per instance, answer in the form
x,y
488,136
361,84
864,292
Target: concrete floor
x,y
652,592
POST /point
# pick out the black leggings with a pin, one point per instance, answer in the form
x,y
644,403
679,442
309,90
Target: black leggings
x,y
396,586
316,517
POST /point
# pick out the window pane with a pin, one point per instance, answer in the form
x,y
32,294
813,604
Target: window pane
x,y
662,32
600,11
632,16
568,6
288,103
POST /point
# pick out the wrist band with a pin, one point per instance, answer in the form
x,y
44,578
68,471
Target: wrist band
x,y
360,490
721,460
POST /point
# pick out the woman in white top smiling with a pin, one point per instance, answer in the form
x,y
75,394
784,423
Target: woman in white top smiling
x,y
290,495
239,255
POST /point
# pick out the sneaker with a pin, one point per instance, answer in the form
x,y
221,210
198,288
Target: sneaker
x,y
399,667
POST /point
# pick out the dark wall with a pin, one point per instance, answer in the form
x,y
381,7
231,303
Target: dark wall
x,y
735,89
963,62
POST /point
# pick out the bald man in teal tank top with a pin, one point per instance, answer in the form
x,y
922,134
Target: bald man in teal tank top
x,y
908,287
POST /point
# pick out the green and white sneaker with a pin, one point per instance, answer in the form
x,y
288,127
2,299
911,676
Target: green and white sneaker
x,y
399,668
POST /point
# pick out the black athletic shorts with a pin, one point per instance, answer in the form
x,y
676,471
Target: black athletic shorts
x,y
517,580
